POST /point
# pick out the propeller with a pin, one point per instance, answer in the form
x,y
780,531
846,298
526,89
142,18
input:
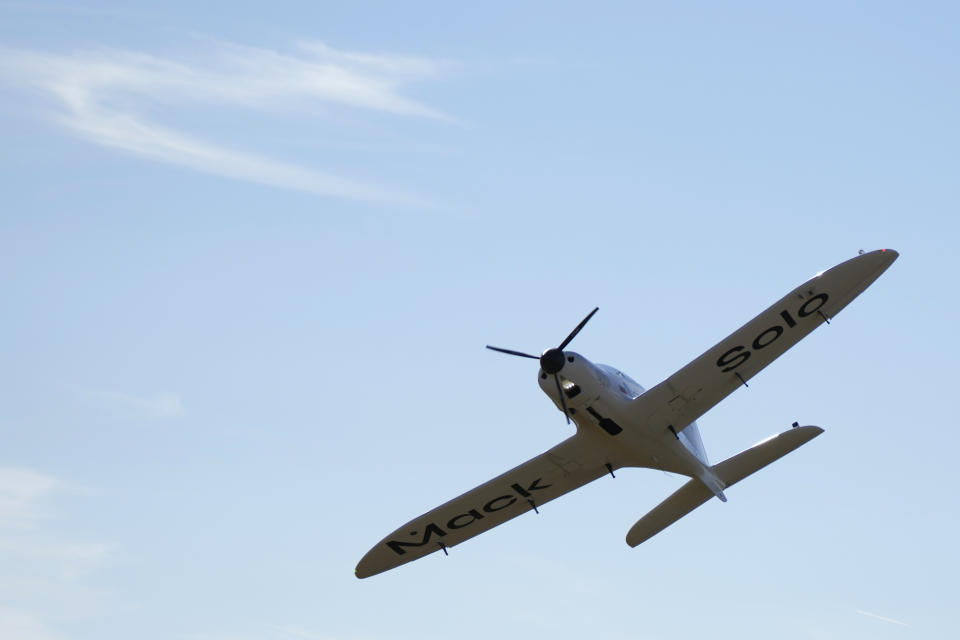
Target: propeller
x,y
551,360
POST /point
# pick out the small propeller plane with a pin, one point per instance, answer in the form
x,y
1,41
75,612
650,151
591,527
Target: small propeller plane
x,y
620,424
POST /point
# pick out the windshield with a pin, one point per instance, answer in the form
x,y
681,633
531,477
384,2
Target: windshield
x,y
624,383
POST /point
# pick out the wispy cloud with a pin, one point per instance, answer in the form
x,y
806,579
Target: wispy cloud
x,y
105,96
156,406
276,632
20,492
298,632
42,576
883,618
23,625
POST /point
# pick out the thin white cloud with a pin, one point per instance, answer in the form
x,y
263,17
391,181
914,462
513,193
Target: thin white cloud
x,y
883,618
275,633
23,625
104,96
20,491
156,406
42,576
299,632
63,561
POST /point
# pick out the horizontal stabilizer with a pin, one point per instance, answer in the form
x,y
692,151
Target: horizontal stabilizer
x,y
730,471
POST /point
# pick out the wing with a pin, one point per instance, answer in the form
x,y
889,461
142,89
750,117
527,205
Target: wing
x,y
697,387
569,465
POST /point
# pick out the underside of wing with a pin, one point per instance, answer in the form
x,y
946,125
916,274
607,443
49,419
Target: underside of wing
x,y
571,464
697,387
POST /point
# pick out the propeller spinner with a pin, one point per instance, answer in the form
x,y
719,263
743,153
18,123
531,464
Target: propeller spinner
x,y
551,360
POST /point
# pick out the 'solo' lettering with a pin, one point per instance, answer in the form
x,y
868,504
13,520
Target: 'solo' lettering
x,y
736,356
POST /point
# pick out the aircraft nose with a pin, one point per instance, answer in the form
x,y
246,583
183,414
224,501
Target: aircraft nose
x,y
551,361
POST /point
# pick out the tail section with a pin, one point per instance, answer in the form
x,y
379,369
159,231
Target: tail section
x,y
699,467
729,472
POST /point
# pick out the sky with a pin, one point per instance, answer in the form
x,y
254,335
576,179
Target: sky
x,y
251,255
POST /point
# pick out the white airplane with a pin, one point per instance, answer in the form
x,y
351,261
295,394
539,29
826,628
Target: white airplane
x,y
619,424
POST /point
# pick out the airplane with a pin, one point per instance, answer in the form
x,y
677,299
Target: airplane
x,y
621,424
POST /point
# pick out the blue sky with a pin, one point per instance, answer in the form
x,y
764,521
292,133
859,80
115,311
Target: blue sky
x,y
251,257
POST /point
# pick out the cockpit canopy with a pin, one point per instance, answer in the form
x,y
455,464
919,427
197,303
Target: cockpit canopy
x,y
621,381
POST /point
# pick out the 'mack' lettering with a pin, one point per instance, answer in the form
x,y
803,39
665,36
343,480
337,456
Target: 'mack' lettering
x,y
398,546
467,518
534,486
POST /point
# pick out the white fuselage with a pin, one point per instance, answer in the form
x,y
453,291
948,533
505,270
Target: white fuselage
x,y
600,400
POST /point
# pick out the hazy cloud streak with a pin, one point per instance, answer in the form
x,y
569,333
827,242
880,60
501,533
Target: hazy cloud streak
x,y
152,406
884,618
42,572
20,489
23,625
102,96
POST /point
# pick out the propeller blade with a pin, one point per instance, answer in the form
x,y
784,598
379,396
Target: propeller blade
x,y
513,353
563,400
574,333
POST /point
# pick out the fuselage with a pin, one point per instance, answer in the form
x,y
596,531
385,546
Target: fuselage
x,y
600,399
